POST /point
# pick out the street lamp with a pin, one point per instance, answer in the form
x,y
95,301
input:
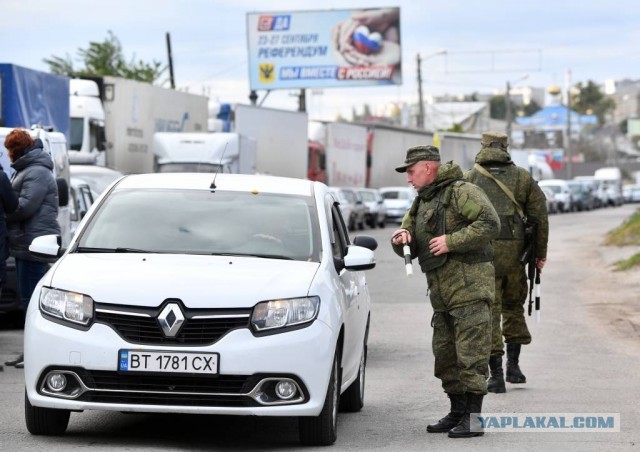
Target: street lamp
x,y
420,118
507,99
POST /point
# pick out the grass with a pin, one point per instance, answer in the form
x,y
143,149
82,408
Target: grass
x,y
626,234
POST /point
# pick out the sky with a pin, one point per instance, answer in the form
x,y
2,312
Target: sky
x,y
487,43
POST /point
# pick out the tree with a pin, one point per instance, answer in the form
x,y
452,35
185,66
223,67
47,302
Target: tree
x,y
588,99
106,58
531,108
498,107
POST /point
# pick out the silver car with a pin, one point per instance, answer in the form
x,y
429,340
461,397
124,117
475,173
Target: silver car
x,y
377,215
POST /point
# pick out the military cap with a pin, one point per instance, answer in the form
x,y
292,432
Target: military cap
x,y
492,139
418,153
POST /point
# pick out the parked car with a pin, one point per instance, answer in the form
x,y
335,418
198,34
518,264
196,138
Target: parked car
x,y
397,200
346,207
561,192
177,295
377,214
98,177
357,209
597,189
82,197
582,196
552,204
631,193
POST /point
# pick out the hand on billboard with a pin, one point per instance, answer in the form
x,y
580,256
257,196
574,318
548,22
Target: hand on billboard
x,y
369,37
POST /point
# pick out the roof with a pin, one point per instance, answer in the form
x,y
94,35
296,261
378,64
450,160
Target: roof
x,y
223,182
555,115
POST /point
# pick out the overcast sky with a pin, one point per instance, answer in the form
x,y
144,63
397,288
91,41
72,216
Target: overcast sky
x,y
596,39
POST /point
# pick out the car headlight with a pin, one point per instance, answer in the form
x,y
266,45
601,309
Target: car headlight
x,y
269,315
72,306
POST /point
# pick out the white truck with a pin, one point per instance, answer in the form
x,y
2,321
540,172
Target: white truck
x,y
280,136
611,178
204,152
113,120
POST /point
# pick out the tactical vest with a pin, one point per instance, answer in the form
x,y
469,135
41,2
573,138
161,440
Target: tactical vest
x,y
509,245
430,220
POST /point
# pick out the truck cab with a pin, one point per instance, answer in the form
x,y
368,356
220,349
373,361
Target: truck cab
x,y
87,141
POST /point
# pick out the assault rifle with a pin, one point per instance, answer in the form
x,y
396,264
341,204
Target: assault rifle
x,y
528,258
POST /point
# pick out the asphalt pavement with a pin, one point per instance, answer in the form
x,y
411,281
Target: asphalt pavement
x,y
584,358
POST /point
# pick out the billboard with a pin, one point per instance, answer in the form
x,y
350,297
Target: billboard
x,y
315,49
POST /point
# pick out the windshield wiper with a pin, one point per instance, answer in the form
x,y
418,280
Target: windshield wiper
x,y
88,249
265,256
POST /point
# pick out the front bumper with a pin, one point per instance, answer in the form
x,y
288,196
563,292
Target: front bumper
x,y
245,361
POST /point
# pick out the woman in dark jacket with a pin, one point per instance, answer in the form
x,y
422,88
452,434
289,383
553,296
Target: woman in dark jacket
x,y
8,203
37,212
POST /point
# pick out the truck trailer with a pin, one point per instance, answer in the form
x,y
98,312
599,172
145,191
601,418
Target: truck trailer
x,y
113,120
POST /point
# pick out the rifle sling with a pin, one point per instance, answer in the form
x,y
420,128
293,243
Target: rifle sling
x,y
504,188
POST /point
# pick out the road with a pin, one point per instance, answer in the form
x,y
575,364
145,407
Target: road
x,y
584,358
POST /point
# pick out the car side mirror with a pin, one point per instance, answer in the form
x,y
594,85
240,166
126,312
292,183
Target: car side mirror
x,y
63,192
47,246
366,242
359,258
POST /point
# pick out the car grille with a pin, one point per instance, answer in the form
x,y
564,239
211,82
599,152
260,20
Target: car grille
x,y
195,331
176,390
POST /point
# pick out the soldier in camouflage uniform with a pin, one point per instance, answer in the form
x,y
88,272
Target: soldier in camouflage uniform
x,y
511,280
449,229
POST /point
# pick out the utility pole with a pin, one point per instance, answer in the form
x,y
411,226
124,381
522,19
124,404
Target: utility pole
x,y
171,79
507,100
420,119
568,140
302,100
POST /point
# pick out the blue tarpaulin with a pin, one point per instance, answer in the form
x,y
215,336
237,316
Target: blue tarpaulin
x,y
29,97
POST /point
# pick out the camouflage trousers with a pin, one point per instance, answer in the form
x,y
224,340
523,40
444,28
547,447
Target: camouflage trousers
x,y
507,312
461,346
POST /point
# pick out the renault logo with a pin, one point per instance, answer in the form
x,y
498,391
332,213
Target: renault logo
x,y
171,319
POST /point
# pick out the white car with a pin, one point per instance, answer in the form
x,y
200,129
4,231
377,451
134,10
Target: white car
x,y
192,293
377,215
562,193
397,201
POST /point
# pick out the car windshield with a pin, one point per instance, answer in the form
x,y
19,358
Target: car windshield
x,y
368,196
554,188
204,222
395,195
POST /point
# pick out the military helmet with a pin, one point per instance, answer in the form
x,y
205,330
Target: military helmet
x,y
492,139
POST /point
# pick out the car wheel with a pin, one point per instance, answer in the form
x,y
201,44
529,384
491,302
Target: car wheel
x,y
45,421
322,430
352,400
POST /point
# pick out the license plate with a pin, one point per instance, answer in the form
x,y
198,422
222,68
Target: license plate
x,y
159,361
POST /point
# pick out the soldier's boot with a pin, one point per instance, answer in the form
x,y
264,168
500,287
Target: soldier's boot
x,y
468,427
495,383
514,374
458,408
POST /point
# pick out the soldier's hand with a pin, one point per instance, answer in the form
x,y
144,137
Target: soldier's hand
x,y
401,237
540,263
438,245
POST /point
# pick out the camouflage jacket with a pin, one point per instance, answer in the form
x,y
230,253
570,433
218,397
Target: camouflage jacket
x,y
470,222
509,245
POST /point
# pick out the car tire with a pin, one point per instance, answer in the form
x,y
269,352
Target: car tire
x,y
322,430
45,421
352,400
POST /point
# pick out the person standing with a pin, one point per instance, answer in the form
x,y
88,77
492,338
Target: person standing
x,y
36,214
517,198
449,228
8,203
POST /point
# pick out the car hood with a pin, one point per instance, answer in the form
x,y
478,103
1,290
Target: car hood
x,y
199,281
396,203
